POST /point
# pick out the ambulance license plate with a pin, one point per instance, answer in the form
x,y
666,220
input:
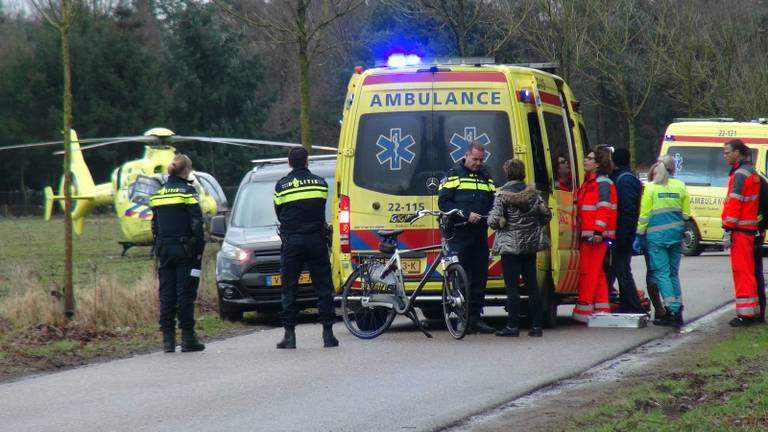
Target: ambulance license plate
x,y
411,266
275,280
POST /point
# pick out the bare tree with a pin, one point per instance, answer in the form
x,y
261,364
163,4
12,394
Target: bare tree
x,y
301,23
493,23
60,15
557,31
622,53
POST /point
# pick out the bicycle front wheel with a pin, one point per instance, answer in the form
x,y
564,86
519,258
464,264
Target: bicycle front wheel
x,y
456,300
363,319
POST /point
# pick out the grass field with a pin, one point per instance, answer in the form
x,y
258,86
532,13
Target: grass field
x,y
724,388
116,296
35,248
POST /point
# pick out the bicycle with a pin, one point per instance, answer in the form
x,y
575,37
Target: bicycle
x,y
375,292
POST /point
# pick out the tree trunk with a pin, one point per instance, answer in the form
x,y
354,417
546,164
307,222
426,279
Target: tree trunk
x,y
303,47
632,133
305,115
69,297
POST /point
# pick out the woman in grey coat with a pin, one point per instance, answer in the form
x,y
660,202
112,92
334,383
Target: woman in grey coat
x,y
519,216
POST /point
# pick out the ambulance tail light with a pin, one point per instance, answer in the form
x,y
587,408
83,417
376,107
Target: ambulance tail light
x,y
346,247
525,96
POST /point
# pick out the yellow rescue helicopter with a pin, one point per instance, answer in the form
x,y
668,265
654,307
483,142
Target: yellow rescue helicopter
x,y
134,182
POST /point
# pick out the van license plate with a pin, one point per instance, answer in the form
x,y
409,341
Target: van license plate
x,y
275,280
411,266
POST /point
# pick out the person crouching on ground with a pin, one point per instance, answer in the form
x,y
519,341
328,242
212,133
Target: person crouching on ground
x,y
519,217
597,220
663,211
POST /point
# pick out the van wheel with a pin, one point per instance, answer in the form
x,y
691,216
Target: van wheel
x,y
692,240
229,313
551,301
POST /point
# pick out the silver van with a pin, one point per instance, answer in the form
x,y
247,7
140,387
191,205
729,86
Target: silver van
x,y
248,264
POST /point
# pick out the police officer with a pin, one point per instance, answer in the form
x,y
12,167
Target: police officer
x,y
468,187
300,207
177,226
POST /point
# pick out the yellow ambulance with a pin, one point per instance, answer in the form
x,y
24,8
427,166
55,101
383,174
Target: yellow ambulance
x,y
696,145
404,125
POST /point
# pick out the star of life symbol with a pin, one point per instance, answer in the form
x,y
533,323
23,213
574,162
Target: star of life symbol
x,y
462,142
678,158
395,149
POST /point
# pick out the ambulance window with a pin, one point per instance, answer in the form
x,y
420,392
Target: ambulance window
x,y
562,162
537,147
454,130
391,156
701,166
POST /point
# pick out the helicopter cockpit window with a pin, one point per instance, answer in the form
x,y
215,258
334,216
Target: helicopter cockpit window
x,y
143,188
212,187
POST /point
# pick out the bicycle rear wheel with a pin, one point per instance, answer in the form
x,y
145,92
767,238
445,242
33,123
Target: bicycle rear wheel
x,y
456,300
364,320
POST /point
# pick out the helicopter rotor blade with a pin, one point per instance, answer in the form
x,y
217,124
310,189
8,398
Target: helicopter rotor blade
x,y
241,141
118,140
50,143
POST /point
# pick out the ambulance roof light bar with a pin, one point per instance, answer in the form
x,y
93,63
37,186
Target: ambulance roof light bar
x,y
693,119
546,67
285,159
404,60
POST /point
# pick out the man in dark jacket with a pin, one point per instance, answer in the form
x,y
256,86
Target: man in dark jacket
x,y
629,190
468,187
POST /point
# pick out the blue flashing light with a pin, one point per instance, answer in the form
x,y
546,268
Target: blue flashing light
x,y
669,137
525,96
402,60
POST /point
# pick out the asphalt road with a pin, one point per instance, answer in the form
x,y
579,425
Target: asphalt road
x,y
399,381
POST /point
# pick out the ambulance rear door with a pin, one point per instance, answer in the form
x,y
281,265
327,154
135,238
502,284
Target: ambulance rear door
x,y
394,173
473,105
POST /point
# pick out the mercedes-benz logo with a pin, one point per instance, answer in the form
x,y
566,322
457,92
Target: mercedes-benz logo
x,y
432,184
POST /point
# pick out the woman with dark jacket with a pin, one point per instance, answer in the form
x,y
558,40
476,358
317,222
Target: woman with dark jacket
x,y
519,216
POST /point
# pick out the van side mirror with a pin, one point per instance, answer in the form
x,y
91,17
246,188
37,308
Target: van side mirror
x,y
219,226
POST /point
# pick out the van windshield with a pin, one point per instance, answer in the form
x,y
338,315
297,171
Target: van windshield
x,y
702,166
254,206
396,153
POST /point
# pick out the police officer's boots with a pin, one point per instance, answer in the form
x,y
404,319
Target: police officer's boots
x,y
329,340
169,341
189,341
289,339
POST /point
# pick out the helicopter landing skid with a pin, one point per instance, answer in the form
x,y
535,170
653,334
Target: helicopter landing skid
x,y
127,245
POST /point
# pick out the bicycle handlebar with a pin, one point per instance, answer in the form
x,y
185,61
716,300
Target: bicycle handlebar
x,y
421,213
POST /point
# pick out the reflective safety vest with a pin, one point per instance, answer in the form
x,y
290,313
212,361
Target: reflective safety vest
x,y
596,199
741,204
176,213
466,190
300,203
663,211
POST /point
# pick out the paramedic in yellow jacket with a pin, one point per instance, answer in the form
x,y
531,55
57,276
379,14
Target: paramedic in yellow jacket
x,y
663,211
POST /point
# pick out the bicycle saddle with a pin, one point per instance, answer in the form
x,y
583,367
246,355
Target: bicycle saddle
x,y
390,233
386,248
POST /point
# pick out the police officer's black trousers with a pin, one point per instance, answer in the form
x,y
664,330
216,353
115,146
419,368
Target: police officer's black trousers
x,y
178,288
312,250
473,256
